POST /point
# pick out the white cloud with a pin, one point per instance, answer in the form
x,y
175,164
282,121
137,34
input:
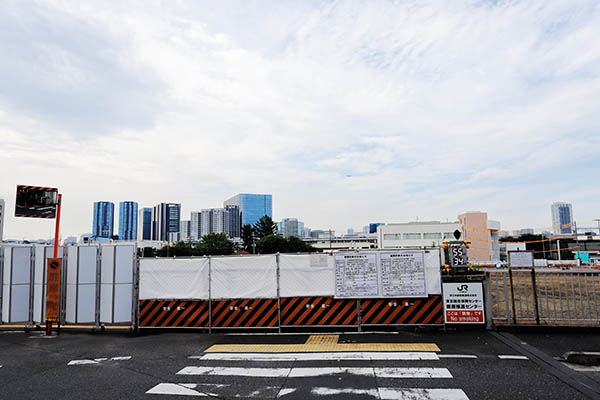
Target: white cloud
x,y
348,112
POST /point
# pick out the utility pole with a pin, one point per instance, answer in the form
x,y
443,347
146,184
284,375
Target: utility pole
x,y
330,245
598,221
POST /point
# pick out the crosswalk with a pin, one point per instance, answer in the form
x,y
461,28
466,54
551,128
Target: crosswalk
x,y
289,376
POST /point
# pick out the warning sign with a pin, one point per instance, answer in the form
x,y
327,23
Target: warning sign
x,y
53,290
463,303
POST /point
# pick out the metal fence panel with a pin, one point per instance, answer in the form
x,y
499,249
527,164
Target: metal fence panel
x,y
541,296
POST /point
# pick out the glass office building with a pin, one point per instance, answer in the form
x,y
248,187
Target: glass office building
x,y
166,220
145,220
252,206
128,212
104,216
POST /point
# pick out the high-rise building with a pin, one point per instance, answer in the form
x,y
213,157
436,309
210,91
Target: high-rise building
x,y
562,218
217,220
166,218
196,225
233,222
213,221
104,217
128,214
145,223
252,206
185,231
300,229
290,227
2,212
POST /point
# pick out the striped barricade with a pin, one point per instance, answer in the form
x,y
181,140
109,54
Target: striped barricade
x,y
174,313
411,311
245,313
318,311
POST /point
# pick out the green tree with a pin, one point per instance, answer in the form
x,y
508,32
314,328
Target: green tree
x,y
147,252
265,227
297,245
271,244
215,244
182,249
276,244
247,233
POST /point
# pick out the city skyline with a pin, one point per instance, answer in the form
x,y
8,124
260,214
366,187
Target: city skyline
x,y
347,112
360,228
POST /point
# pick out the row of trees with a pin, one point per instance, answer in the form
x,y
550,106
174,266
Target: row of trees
x,y
261,238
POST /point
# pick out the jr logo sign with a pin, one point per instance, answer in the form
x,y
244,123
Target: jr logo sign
x,y
463,288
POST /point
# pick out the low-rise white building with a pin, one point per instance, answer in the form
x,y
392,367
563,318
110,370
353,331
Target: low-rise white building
x,y
417,234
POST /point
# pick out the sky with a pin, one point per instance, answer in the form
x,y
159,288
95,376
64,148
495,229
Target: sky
x,y
348,112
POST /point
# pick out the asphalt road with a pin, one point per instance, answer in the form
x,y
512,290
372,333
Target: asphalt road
x,y
119,366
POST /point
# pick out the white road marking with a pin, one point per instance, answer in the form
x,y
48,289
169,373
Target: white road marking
x,y
182,389
415,394
311,372
323,391
82,362
412,373
577,367
511,357
456,356
285,391
257,372
318,356
98,360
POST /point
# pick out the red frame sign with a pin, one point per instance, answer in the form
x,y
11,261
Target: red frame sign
x,y
463,303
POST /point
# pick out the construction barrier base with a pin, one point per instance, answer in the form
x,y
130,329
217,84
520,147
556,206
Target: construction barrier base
x,y
245,313
318,311
407,311
174,314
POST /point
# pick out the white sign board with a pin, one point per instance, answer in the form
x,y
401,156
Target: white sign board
x,y
403,274
520,259
356,275
380,274
463,303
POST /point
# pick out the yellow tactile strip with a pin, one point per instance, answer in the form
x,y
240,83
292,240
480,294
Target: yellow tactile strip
x,y
322,339
318,348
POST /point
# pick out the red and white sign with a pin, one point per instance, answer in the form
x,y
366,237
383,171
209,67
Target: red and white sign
x,y
463,303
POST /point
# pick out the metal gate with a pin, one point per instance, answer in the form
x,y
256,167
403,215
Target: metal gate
x,y
544,297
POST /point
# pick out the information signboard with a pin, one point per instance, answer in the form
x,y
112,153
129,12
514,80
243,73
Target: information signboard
x,y
463,303
356,275
523,259
53,290
380,274
403,274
